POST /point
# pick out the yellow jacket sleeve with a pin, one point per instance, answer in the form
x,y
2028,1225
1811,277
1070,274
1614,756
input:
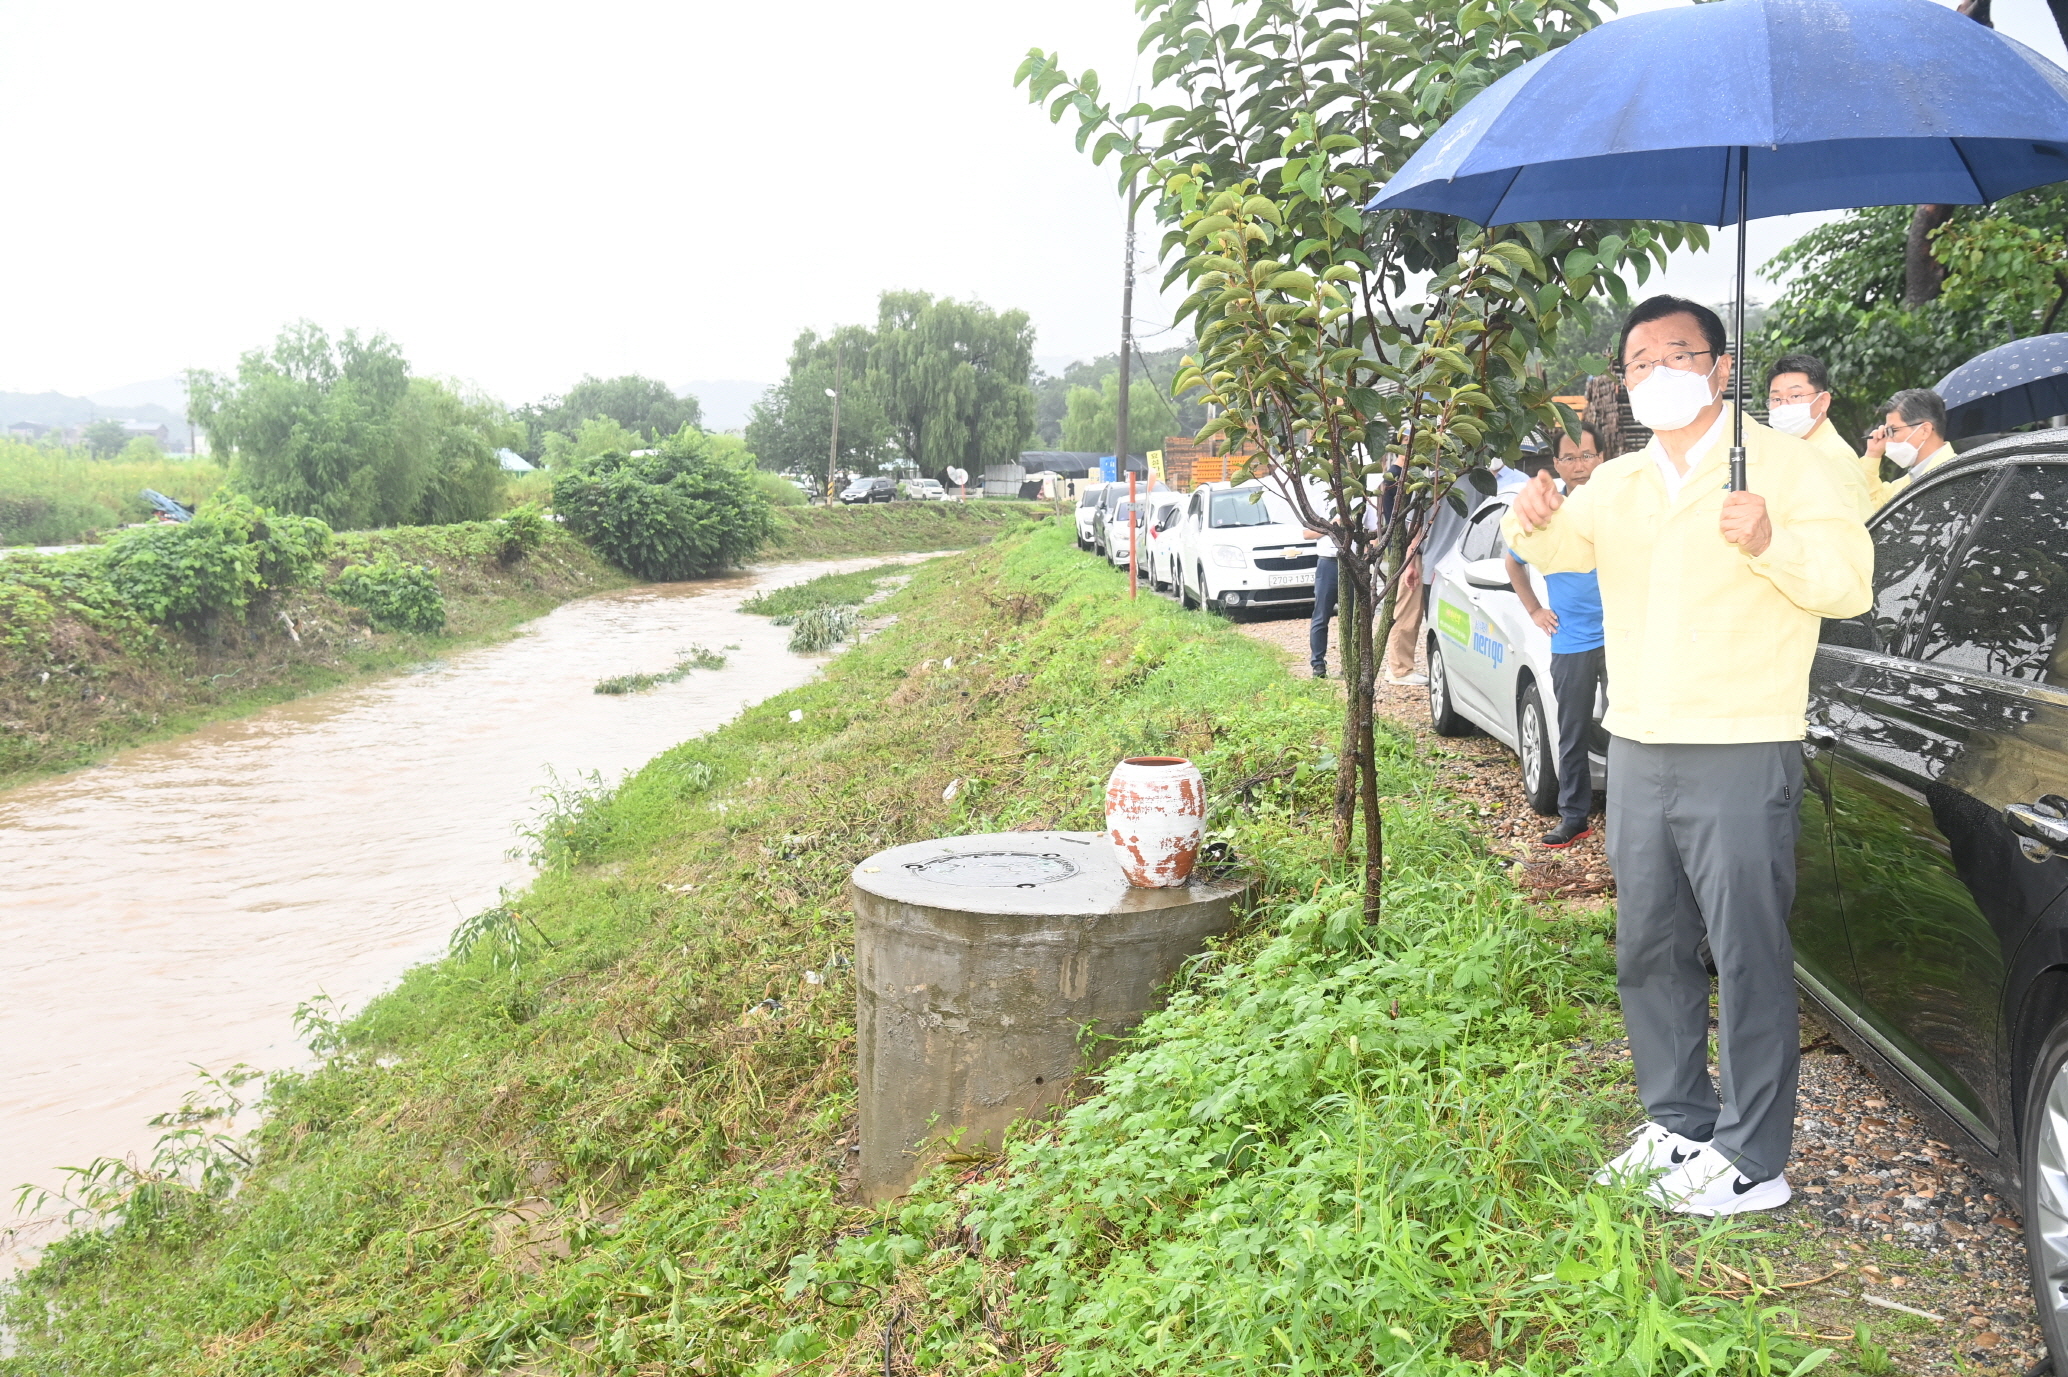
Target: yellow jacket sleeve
x,y
1821,557
1566,544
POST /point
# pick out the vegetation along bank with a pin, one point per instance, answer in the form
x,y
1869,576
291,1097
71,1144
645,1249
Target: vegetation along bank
x,y
610,1132
169,627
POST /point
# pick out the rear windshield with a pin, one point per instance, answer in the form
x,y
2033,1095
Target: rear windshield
x,y
1251,507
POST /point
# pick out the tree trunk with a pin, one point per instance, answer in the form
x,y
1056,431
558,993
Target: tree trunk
x,y
1346,653
1370,647
1922,273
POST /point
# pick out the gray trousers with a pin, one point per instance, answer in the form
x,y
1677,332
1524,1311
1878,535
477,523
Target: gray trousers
x,y
1702,842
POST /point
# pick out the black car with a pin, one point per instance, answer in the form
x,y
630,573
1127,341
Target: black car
x,y
1931,929
877,489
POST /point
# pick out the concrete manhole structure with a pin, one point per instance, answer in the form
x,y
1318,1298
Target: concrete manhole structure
x,y
981,962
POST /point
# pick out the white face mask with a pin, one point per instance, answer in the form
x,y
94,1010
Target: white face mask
x,y
1902,452
1670,399
1792,419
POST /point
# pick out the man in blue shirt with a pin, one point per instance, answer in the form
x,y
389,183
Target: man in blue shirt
x,y
1573,621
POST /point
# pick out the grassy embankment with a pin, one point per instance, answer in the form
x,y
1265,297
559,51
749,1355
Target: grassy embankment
x,y
81,674
610,1136
882,528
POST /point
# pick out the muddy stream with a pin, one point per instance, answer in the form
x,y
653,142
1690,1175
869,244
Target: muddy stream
x,y
169,909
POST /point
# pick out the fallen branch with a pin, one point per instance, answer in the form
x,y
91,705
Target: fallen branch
x,y
1906,1309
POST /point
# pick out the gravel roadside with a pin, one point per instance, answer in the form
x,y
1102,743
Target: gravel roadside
x,y
1880,1209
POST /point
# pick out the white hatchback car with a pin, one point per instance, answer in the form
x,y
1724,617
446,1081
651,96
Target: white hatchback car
x,y
1242,547
1490,665
1088,498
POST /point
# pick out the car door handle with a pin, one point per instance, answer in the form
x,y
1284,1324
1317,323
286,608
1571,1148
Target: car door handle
x,y
2045,827
1817,738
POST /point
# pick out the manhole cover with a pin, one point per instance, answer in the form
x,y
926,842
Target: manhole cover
x,y
996,869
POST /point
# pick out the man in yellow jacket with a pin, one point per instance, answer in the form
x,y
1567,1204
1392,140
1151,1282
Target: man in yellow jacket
x,y
1711,604
1798,403
1913,436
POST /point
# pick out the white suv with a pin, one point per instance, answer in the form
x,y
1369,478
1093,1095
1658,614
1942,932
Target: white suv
x,y
1242,547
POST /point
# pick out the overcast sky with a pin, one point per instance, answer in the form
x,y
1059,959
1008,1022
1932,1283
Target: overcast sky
x,y
523,193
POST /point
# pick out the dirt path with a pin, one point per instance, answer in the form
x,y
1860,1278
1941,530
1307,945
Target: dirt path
x,y
1908,1220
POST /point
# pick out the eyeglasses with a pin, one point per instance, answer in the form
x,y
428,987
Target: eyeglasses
x,y
1774,399
1903,425
1585,456
1682,361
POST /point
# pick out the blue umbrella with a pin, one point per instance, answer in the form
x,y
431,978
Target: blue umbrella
x,y
2012,385
1748,108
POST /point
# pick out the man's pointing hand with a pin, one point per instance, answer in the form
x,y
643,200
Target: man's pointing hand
x,y
1536,500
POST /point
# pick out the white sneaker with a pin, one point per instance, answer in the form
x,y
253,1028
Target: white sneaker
x,y
1652,1148
1408,680
1707,1184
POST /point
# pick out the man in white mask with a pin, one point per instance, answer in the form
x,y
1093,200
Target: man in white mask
x,y
1913,436
1711,605
1798,402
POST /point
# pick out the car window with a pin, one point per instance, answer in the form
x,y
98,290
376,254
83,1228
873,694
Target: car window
x,y
1249,507
1483,539
1089,499
1910,544
2002,609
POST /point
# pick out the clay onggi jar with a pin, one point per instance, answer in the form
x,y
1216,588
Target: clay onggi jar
x,y
1155,816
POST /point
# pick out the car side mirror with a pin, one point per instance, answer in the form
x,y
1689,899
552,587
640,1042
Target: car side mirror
x,y
1490,574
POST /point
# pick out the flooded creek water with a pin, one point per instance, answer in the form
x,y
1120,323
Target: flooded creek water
x,y
170,908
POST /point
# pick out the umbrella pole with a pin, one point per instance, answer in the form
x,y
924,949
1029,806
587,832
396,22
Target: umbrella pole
x,y
1738,363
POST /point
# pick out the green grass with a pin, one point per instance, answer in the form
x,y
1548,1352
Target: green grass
x,y
879,528
827,590
609,1137
695,658
62,498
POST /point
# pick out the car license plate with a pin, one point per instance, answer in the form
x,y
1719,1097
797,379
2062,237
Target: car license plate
x,y
1299,580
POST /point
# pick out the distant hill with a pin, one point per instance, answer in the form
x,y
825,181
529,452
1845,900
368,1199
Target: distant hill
x,y
169,393
136,402
727,403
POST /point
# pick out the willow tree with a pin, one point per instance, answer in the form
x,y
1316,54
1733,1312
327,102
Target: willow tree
x,y
1374,361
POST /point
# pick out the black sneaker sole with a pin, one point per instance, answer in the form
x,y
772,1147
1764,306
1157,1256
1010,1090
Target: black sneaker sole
x,y
1573,840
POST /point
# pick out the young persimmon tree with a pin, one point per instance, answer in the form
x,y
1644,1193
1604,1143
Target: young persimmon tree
x,y
1375,362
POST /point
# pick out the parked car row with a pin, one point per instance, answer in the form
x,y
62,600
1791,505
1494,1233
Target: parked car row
x,y
883,488
1231,547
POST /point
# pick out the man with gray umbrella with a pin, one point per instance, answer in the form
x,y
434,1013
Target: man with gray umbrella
x,y
1712,601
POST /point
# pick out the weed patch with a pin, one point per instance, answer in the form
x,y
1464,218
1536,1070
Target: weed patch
x,y
695,658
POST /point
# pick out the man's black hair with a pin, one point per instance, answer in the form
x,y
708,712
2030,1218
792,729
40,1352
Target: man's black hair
x,y
1916,404
1556,436
1809,365
1659,307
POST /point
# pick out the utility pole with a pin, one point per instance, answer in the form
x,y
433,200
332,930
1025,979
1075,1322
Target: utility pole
x,y
833,449
1127,333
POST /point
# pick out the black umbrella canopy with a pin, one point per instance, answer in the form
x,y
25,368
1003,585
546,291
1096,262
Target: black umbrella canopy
x,y
2012,385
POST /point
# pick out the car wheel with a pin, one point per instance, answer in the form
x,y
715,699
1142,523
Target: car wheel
x,y
1444,718
2044,1154
1185,598
1533,741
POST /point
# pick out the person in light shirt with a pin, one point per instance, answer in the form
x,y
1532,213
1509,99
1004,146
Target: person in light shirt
x,y
1912,436
1712,601
1798,402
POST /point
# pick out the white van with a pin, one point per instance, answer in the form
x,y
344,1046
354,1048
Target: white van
x,y
1243,547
